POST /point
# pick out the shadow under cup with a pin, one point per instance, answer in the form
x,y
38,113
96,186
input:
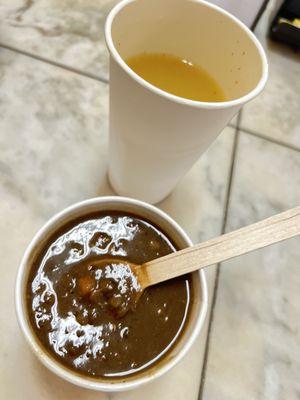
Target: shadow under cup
x,y
155,136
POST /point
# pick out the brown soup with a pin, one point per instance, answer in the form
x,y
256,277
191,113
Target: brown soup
x,y
72,300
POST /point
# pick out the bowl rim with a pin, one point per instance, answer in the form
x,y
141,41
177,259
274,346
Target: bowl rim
x,y
58,368
180,100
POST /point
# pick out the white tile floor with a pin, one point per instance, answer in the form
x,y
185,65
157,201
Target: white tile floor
x,y
275,113
255,337
252,348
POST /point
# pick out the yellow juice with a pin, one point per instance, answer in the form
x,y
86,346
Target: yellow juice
x,y
177,76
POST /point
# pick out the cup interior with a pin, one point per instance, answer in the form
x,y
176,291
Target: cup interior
x,y
196,31
198,298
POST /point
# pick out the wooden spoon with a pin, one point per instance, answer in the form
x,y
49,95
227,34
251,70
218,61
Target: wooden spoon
x,y
252,237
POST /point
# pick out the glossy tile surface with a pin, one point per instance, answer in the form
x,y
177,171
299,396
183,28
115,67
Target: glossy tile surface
x,y
65,31
255,338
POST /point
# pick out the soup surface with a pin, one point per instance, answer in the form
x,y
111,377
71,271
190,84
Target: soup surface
x,y
77,301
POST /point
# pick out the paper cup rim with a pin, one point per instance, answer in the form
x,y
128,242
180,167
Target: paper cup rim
x,y
183,101
55,366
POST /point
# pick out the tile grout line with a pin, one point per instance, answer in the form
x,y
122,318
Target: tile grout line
x,y
259,14
54,63
216,284
269,139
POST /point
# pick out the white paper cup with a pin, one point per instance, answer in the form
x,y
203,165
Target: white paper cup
x,y
155,137
198,299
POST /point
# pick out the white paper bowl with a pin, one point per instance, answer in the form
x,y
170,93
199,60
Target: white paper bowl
x,y
198,300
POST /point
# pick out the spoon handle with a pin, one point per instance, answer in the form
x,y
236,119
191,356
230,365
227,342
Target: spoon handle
x,y
252,237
